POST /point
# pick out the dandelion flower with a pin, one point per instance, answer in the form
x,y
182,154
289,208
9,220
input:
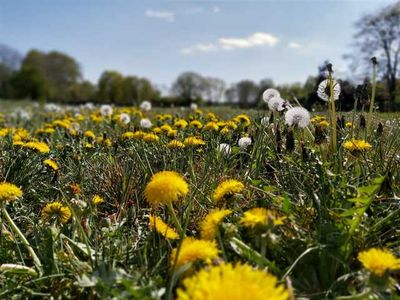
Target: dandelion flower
x,y
9,192
244,142
227,188
145,106
97,200
276,104
357,145
106,110
193,250
379,261
349,125
260,216
242,119
181,124
51,164
233,282
150,137
324,91
297,116
211,126
193,141
269,94
165,187
175,144
158,225
90,134
209,226
38,146
193,106
145,123
196,123
56,211
224,148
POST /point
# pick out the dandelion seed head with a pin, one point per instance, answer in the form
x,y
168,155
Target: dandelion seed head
x,y
297,116
269,94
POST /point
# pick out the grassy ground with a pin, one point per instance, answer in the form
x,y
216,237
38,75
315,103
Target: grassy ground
x,y
98,225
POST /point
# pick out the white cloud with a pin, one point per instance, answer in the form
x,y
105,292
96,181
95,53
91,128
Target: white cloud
x,y
194,11
199,48
255,40
216,9
295,45
162,15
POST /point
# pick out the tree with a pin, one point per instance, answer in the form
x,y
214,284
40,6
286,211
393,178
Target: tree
x,y
379,35
60,71
5,81
246,91
111,87
214,89
30,83
10,57
190,86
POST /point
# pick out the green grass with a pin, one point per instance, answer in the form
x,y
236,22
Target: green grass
x,y
335,205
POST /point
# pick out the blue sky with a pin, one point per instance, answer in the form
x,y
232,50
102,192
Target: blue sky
x,y
233,40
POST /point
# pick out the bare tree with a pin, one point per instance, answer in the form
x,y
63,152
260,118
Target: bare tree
x,y
379,35
214,89
10,57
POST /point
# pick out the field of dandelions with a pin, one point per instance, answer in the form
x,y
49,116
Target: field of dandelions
x,y
102,202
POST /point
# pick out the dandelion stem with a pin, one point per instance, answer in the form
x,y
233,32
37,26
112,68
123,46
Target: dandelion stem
x,y
371,106
174,218
18,232
333,114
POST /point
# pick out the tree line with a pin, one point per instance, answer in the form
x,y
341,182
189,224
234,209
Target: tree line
x,y
57,77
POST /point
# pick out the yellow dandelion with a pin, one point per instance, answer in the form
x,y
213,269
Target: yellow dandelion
x,y
56,211
157,130
97,200
227,188
165,187
224,130
181,124
193,250
127,135
242,119
379,261
357,145
175,144
158,225
9,192
38,146
209,226
324,123
233,282
349,125
150,137
90,134
260,216
166,128
193,141
172,133
211,126
196,123
51,164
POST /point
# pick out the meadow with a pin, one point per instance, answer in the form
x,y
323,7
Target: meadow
x,y
102,202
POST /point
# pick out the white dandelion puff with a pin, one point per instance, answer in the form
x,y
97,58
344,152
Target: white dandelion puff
x,y
124,118
269,94
193,106
51,107
224,148
145,106
297,116
276,104
106,110
324,90
145,123
244,142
